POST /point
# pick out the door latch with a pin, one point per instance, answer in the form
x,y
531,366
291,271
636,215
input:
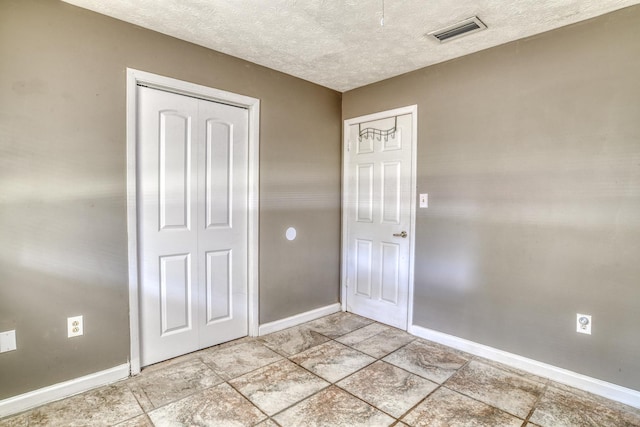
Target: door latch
x,y
402,234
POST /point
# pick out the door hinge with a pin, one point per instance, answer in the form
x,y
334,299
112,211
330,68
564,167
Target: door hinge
x,y
349,146
347,285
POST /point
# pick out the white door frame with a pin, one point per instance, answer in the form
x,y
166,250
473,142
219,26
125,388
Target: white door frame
x,y
413,110
135,77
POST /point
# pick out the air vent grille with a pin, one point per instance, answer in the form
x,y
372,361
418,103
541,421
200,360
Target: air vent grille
x,y
463,28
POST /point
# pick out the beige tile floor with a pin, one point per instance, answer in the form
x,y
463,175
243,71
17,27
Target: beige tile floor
x,y
340,370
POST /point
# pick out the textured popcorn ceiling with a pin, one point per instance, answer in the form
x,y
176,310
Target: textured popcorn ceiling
x,y
340,43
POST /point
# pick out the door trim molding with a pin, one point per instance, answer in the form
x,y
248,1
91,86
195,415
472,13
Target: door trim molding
x,y
135,77
413,110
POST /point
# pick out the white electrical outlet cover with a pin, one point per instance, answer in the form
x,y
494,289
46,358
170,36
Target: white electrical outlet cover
x,y
75,326
583,323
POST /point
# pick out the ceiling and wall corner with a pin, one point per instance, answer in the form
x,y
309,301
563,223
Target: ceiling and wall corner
x,y
530,154
63,183
341,44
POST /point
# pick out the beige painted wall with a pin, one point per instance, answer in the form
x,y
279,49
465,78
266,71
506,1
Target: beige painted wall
x,y
530,153
63,248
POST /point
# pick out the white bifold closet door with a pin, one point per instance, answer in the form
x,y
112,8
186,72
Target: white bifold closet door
x,y
192,223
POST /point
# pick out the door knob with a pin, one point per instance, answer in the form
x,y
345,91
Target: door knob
x,y
402,234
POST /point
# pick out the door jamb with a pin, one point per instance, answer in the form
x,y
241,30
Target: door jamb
x,y
135,77
413,110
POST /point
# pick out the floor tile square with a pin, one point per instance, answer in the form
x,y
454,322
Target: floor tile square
x,y
617,406
362,334
384,343
105,406
332,361
448,408
21,420
560,408
267,423
496,387
429,360
333,407
217,406
512,370
338,324
139,421
278,386
387,387
232,343
156,387
231,362
293,340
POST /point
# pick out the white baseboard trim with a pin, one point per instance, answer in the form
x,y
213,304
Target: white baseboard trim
x,y
22,402
298,319
592,385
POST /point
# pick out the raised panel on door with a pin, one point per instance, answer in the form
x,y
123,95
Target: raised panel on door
x,y
390,197
390,272
364,197
364,145
175,170
393,142
219,174
363,256
219,289
175,293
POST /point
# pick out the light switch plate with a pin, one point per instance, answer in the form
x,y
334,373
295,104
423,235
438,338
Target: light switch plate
x,y
424,200
7,341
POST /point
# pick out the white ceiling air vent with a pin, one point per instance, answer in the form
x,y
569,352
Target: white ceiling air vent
x,y
462,28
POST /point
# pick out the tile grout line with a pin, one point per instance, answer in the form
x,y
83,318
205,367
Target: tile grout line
x,y
401,417
138,400
536,403
154,407
250,402
476,399
287,358
224,381
440,385
194,356
396,420
377,359
318,376
368,404
148,418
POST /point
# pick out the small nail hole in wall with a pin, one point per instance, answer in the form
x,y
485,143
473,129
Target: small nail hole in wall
x,y
291,233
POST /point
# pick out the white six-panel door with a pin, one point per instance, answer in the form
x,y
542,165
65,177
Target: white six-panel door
x,y
378,204
192,214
